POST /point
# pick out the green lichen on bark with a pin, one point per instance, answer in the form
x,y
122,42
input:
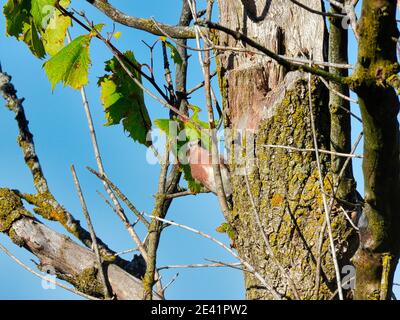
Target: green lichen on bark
x,y
47,207
289,200
86,282
379,105
11,209
340,109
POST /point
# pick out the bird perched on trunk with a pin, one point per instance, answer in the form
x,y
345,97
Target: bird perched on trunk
x,y
201,167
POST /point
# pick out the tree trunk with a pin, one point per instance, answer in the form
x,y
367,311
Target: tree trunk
x,y
261,97
378,254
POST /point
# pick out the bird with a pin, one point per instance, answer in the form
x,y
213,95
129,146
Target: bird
x,y
201,168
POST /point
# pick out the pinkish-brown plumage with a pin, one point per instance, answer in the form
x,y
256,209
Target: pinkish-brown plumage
x,y
200,161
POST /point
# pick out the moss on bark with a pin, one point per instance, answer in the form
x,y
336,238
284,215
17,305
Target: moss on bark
x,y
289,201
378,254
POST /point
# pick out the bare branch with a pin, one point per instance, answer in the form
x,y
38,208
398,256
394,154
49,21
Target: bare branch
x,y
276,294
178,32
339,154
341,95
47,279
349,218
324,14
282,61
216,166
199,265
325,202
47,205
72,262
95,248
213,47
120,195
184,194
170,283
155,230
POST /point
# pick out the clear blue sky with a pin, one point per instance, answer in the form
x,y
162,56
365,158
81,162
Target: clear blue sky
x,y
59,125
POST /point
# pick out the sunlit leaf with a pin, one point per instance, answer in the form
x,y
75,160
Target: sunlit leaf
x,y
117,35
123,100
42,11
54,35
71,64
175,56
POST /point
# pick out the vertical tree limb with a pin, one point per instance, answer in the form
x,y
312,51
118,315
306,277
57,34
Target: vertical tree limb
x,y
378,254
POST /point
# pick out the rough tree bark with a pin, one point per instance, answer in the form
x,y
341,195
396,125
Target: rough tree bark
x,y
263,100
68,260
378,254
261,96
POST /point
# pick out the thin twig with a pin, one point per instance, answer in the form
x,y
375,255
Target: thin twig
x,y
319,259
213,47
170,283
199,265
48,279
337,92
120,195
103,279
235,266
26,142
263,281
349,219
339,154
155,230
205,65
325,203
126,251
321,13
184,194
282,61
345,282
106,201
333,198
200,85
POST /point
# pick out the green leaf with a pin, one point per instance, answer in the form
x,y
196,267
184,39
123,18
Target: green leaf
x,y
195,117
223,228
17,13
192,131
97,29
54,35
20,24
31,38
38,24
166,125
123,100
42,11
117,35
226,228
71,64
175,56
